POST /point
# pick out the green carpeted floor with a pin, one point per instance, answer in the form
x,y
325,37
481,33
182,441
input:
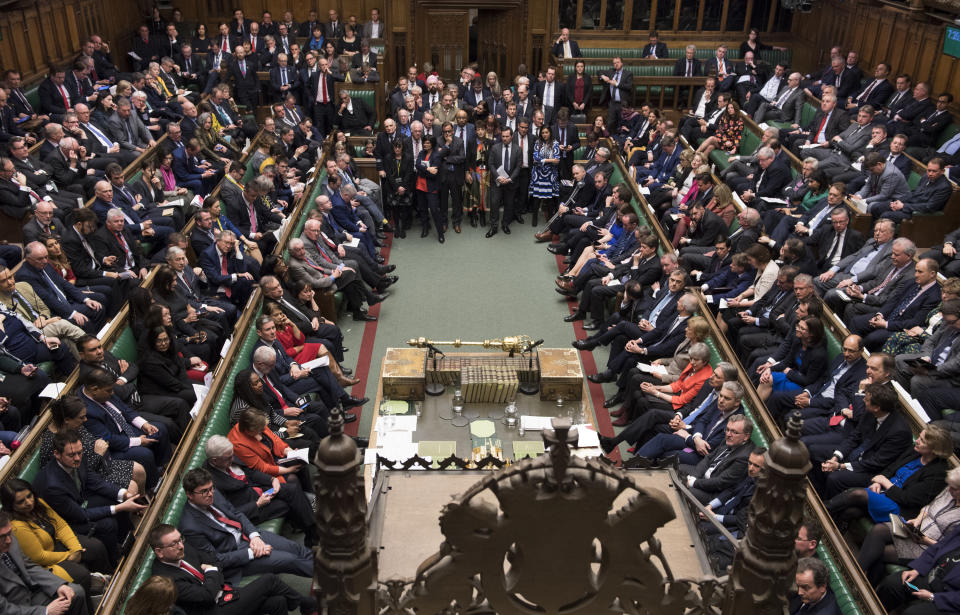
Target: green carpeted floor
x,y
471,288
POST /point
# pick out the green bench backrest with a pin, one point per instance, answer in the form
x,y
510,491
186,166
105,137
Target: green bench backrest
x,y
913,179
806,116
33,97
948,132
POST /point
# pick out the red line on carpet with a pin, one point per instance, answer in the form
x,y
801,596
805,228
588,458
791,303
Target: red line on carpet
x,y
604,425
362,370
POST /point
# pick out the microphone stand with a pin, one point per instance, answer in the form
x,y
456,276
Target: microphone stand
x,y
434,388
530,388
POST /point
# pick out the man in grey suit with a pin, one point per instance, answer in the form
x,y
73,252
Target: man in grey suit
x,y
504,162
884,184
788,105
861,266
374,28
939,387
127,129
838,151
725,466
30,589
869,296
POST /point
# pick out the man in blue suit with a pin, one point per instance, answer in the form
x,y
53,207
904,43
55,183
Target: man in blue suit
x,y
64,299
902,310
658,343
128,433
663,167
318,380
88,503
192,172
817,400
691,443
226,271
213,526
935,575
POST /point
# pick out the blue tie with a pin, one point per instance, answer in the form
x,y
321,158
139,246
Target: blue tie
x,y
942,351
659,308
703,406
950,147
907,301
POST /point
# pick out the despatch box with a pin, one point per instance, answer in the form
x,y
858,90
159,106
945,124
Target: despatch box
x,y
560,374
404,373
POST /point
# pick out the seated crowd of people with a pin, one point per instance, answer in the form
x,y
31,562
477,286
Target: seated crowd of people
x,y
201,220
772,254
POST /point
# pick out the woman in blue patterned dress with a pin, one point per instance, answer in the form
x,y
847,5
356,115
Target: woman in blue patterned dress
x,y
544,182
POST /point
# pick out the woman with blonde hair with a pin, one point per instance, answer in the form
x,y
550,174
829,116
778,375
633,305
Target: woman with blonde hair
x,y
157,596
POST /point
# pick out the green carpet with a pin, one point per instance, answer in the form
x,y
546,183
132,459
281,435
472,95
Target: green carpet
x,y
471,288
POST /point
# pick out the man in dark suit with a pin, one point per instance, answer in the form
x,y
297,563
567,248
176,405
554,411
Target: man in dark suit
x,y
191,172
876,91
213,526
769,181
899,98
817,399
64,299
320,98
202,588
193,67
930,196
767,89
452,157
688,65
355,116
881,437
655,48
786,107
333,29
504,163
725,465
903,310
129,434
569,140
28,587
54,97
765,323
113,240
722,68
833,243
88,503
814,596
617,90
239,25
549,93
925,130
913,110
145,47
243,72
257,495
825,125
284,79
563,47
226,270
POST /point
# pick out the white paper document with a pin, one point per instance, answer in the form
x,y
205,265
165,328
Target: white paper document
x,y
770,199
398,423
353,243
536,423
318,362
297,454
651,369
587,437
914,404
226,347
723,304
52,390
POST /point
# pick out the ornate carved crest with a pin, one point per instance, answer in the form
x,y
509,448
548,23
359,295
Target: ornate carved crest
x,y
549,535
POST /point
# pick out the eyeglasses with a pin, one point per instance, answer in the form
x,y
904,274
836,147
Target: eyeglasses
x,y
178,541
206,491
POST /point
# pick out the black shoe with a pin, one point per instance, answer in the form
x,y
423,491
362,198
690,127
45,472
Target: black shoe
x,y
607,444
387,228
602,377
380,260
583,345
506,229
555,248
346,371
565,292
441,238
518,218
348,418
473,221
424,232
352,402
362,442
377,243
607,403
591,326
379,297
492,231
363,316
573,317
386,269
386,282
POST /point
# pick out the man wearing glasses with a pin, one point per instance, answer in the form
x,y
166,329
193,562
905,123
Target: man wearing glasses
x,y
29,589
201,585
214,527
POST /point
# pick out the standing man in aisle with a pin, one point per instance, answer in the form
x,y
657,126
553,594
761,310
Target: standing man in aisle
x,y
504,162
619,89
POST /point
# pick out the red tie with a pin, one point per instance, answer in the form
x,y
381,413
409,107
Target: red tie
x,y
63,94
275,392
126,249
819,128
323,88
185,566
225,50
229,522
323,254
223,270
253,218
253,42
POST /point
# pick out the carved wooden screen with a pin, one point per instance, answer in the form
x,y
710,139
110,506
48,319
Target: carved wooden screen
x,y
445,36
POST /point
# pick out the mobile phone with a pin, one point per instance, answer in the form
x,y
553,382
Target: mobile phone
x,y
911,586
142,500
269,491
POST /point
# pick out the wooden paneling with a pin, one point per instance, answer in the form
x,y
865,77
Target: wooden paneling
x,y
909,40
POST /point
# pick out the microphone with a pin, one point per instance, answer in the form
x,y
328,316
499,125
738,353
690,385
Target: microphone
x,y
533,345
434,349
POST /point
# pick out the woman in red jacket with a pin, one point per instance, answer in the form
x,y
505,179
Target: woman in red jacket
x,y
261,449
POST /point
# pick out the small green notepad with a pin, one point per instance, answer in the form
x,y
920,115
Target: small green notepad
x,y
394,407
482,428
524,448
437,450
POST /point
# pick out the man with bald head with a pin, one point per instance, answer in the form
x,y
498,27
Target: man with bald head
x,y
96,138
64,299
69,164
